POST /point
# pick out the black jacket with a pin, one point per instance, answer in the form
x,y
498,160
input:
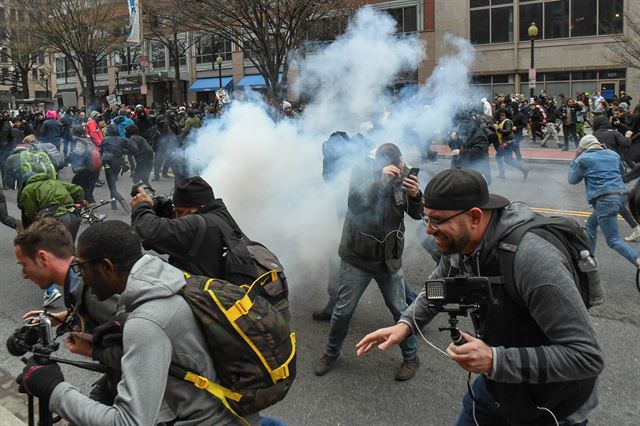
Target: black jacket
x,y
143,151
609,137
113,148
175,237
372,235
474,152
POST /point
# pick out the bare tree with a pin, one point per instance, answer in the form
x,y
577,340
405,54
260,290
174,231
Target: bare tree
x,y
165,20
84,31
267,30
24,50
626,46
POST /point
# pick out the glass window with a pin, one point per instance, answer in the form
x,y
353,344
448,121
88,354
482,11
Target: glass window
x,y
584,75
501,24
583,15
481,79
556,76
34,74
203,48
4,57
222,48
59,68
609,74
406,19
530,13
158,55
101,66
505,89
480,26
554,89
498,2
181,47
500,79
478,3
610,17
583,87
556,19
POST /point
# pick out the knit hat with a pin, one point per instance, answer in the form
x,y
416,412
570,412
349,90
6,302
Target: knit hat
x,y
51,114
192,192
624,106
94,114
589,142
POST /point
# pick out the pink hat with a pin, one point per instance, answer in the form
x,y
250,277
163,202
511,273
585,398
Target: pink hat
x,y
51,114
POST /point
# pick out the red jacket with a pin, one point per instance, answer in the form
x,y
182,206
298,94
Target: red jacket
x,y
94,132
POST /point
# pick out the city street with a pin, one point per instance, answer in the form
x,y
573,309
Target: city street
x,y
362,391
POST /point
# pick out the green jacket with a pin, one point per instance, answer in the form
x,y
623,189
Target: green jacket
x,y
192,123
40,192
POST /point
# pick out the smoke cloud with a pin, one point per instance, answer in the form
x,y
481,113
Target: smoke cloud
x,y
269,173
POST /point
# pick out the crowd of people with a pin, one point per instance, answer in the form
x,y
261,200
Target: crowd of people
x,y
534,347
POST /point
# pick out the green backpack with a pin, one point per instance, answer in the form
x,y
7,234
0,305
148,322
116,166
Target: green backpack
x,y
249,341
36,161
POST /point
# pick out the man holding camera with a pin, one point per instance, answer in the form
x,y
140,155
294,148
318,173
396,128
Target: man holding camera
x,y
196,212
537,356
160,329
381,191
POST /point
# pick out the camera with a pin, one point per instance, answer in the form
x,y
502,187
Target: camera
x,y
162,205
458,296
35,335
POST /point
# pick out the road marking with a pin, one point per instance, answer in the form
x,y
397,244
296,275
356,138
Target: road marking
x,y
577,213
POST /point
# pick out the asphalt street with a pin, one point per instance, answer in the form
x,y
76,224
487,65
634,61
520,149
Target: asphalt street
x,y
362,391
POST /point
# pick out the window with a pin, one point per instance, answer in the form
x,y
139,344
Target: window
x,y
406,19
222,48
583,17
4,57
326,29
64,69
128,58
34,74
158,55
610,16
530,13
202,48
491,21
556,19
181,47
480,26
101,66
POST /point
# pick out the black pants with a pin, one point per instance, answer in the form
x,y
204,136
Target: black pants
x,y
569,132
10,221
142,171
111,172
87,181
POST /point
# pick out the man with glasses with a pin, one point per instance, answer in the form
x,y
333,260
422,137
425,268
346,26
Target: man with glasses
x,y
536,352
381,191
44,251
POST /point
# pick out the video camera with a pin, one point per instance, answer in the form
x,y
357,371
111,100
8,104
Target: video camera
x,y
162,205
458,296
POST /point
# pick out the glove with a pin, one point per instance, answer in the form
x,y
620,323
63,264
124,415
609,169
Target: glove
x,y
107,334
39,380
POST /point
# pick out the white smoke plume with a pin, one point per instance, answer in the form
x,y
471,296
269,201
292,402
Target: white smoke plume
x,y
269,173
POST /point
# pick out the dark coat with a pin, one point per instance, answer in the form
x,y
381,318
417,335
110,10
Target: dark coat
x,y
51,131
474,153
373,228
114,148
609,137
175,237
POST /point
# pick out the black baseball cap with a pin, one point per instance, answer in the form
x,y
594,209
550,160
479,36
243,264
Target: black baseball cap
x,y
460,189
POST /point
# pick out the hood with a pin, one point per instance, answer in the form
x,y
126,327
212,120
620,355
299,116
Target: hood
x,y
131,130
38,177
112,130
119,119
601,122
151,278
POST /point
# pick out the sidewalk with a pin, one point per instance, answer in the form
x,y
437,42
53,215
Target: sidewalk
x,y
531,153
13,405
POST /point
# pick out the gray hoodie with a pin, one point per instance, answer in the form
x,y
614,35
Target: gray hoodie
x,y
543,280
160,329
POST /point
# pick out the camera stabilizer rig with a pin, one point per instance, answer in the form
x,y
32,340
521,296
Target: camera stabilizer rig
x,y
36,336
458,296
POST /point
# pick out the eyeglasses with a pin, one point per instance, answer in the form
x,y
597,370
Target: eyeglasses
x,y
76,266
436,224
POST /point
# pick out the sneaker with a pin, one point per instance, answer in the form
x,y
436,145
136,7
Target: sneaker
x,y
321,315
49,299
634,235
324,364
408,369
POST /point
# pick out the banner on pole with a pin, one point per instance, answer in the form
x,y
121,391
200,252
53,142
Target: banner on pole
x,y
133,32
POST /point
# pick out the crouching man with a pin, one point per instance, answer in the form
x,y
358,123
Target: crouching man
x,y
537,357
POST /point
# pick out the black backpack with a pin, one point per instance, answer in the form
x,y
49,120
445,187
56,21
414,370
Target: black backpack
x,y
566,235
246,261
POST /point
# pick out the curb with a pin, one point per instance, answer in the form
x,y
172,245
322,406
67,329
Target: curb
x,y
13,405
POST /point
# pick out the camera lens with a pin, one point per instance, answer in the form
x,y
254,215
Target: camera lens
x,y
15,346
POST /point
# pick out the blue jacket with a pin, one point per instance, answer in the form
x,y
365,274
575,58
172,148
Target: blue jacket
x,y
121,121
601,170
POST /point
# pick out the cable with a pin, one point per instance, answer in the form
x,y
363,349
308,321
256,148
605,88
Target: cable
x,y
397,231
415,324
550,412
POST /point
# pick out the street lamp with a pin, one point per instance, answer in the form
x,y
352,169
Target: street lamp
x,y
533,33
45,77
219,61
14,85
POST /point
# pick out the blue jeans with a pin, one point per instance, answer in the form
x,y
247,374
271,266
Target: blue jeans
x,y
486,410
353,282
269,421
605,214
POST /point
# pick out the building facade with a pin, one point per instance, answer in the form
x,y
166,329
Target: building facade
x,y
572,49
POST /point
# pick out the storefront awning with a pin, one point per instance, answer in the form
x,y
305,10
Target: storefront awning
x,y
255,81
210,84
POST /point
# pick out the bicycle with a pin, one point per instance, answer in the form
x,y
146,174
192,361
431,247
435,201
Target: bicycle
x,y
88,214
